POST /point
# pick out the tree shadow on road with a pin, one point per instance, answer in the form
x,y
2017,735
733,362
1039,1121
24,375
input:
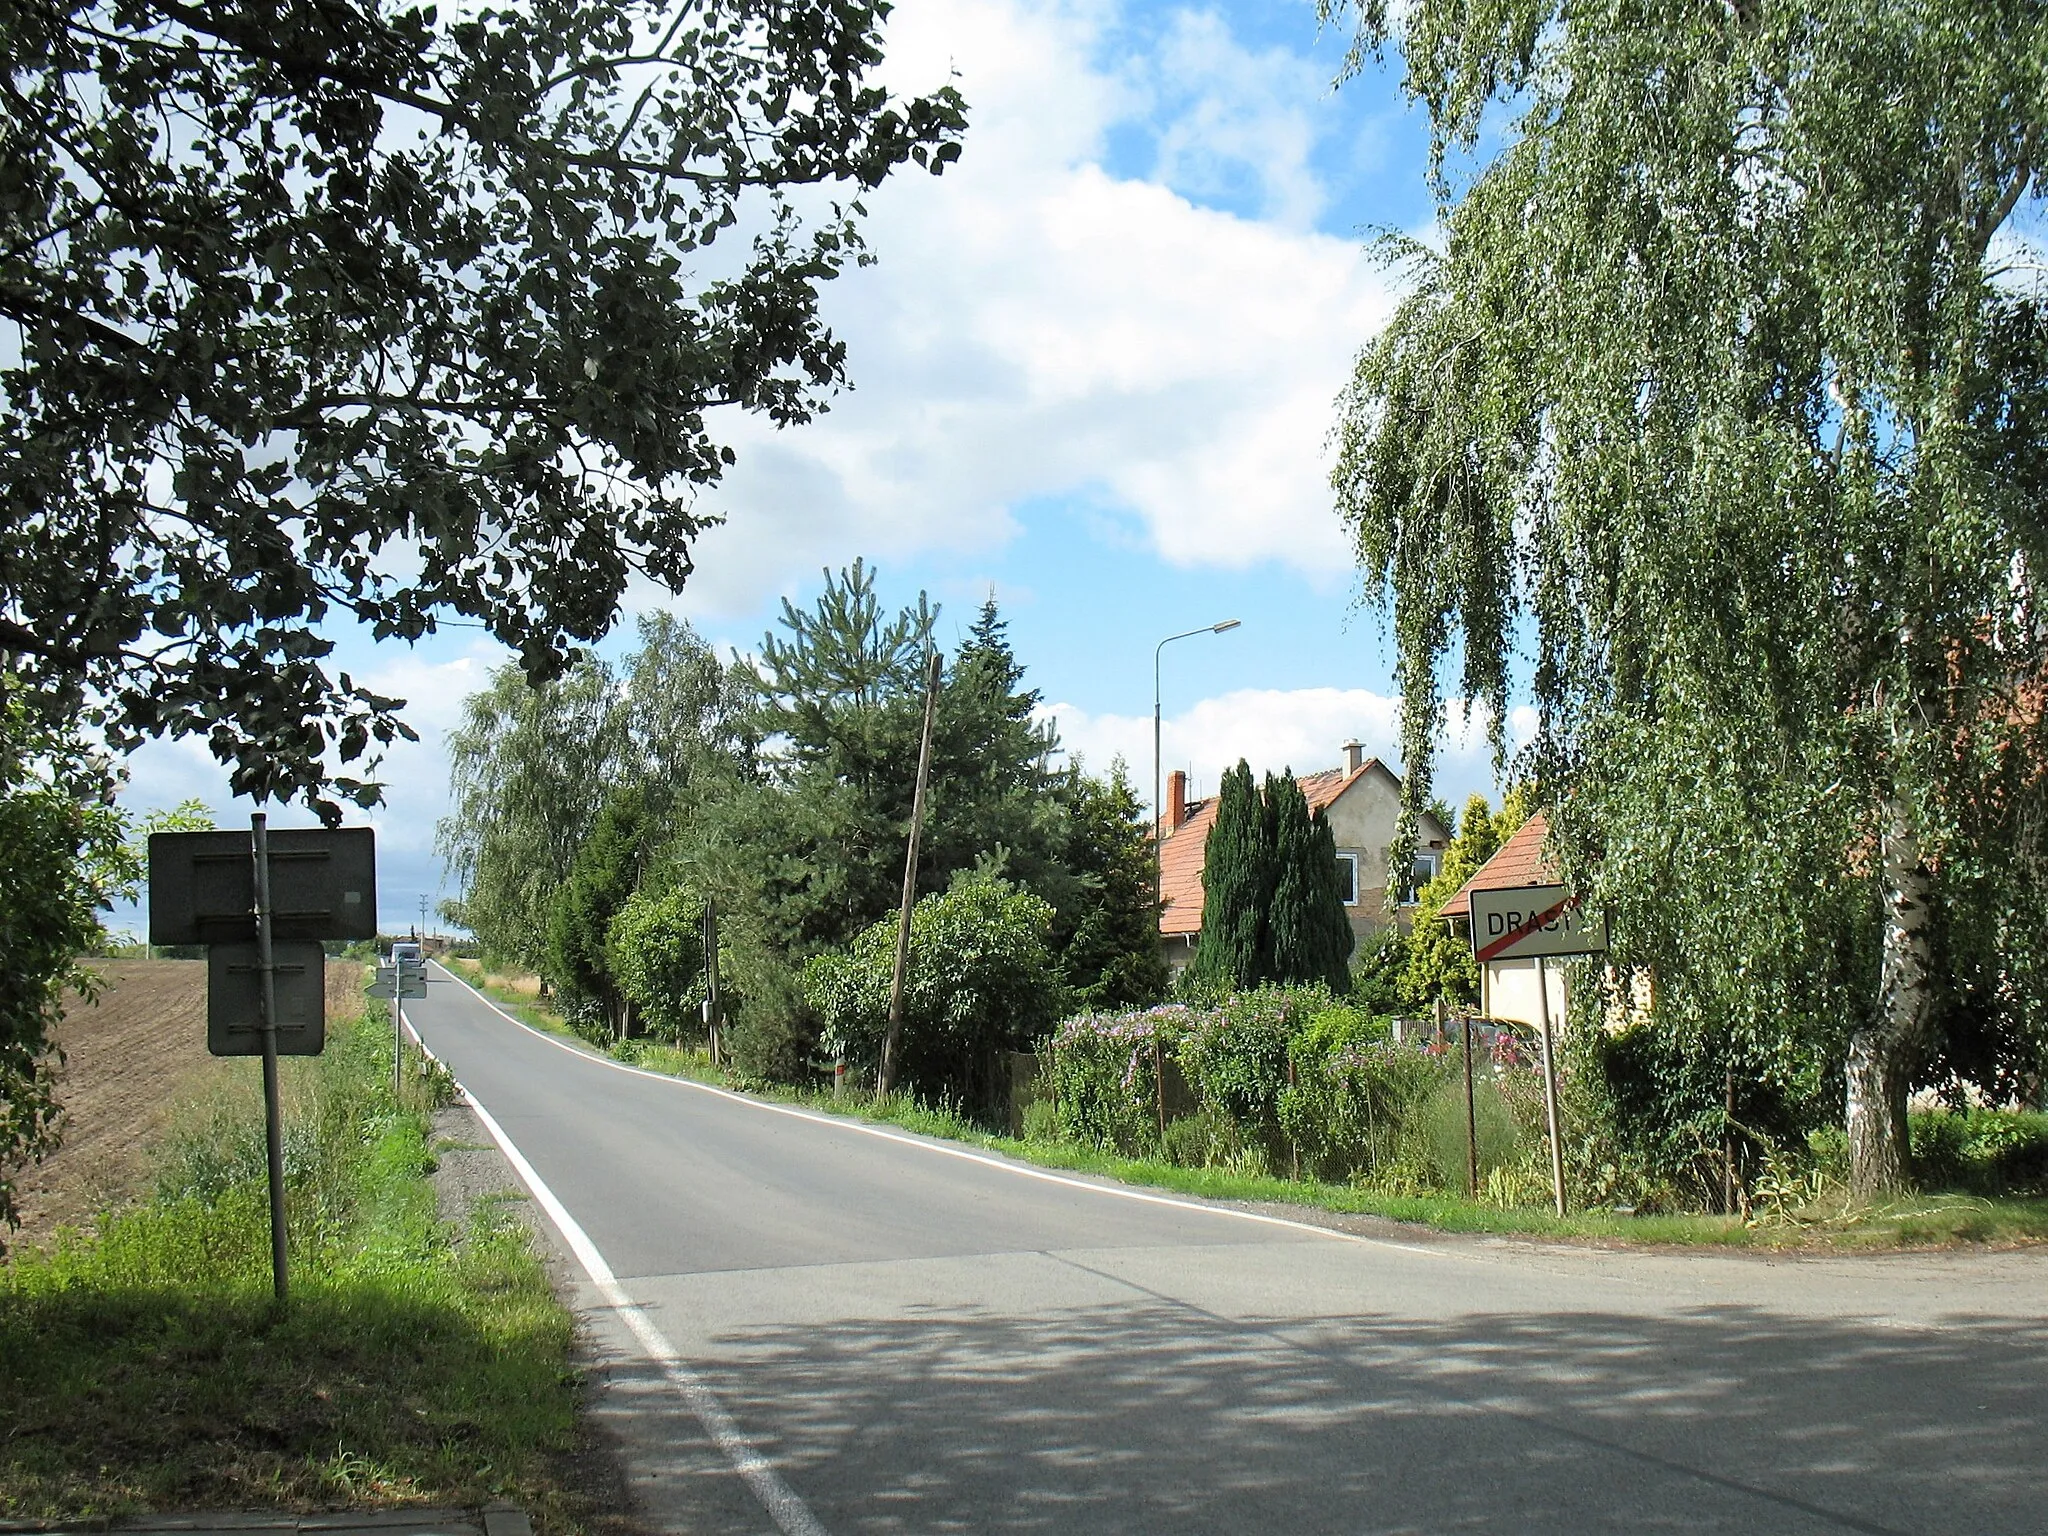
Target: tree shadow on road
x,y
1157,1417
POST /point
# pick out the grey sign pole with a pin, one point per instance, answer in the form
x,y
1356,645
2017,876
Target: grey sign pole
x,y
1550,1086
273,1133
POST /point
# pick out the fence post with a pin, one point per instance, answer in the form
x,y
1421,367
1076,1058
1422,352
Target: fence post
x,y
1159,1087
1294,1146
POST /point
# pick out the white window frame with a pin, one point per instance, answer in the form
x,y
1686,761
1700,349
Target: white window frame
x,y
1434,858
1350,862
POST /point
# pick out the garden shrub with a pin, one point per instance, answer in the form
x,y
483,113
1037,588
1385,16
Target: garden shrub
x,y
1101,1072
981,980
1284,1074
655,951
1981,1151
1235,1056
1441,1123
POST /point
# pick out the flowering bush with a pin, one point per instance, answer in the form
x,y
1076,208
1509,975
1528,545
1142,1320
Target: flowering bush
x,y
1236,1056
1354,1094
1103,1071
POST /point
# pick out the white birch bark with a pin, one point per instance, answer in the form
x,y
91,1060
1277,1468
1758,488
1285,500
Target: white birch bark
x,y
1881,1053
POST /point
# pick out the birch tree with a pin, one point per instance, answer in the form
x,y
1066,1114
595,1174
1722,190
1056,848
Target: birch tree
x,y
1724,391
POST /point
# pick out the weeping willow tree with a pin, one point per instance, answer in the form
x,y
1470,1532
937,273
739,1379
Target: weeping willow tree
x,y
1725,394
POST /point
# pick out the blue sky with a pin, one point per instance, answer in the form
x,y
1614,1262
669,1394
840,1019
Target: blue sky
x,y
1094,371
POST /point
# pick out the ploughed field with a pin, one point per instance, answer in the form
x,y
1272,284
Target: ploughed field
x,y
127,1061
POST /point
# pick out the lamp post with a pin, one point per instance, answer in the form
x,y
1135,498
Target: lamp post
x,y
1159,836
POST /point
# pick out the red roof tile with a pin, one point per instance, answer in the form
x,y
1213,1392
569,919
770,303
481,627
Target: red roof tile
x,y
1518,861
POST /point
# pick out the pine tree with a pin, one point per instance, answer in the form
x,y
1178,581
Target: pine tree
x,y
1237,885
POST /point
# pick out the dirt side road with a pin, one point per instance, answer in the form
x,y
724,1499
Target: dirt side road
x,y
127,1060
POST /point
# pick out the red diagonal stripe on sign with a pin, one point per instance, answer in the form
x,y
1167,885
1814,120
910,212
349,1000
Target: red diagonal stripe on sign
x,y
1515,935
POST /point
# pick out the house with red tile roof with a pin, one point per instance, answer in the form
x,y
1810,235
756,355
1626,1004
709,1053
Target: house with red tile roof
x,y
1362,802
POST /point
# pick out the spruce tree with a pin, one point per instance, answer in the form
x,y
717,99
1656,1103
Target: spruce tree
x,y
1237,885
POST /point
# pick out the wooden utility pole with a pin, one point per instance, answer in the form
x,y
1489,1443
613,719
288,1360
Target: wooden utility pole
x,y
713,1011
893,1039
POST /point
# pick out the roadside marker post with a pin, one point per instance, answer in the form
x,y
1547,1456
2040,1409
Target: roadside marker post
x,y
1537,922
262,902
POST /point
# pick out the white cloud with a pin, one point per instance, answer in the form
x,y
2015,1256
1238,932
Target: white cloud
x,y
1274,729
1240,122
1040,327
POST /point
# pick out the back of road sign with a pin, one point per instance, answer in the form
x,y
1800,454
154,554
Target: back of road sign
x,y
407,978
202,885
234,999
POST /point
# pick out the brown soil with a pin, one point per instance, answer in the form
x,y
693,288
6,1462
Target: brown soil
x,y
127,1060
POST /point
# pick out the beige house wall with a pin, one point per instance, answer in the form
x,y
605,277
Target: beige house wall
x,y
1508,990
1362,822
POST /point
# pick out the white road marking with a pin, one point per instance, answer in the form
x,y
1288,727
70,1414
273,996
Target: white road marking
x,y
837,1122
789,1512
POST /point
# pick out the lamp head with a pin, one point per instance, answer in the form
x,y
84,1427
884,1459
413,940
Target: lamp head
x,y
1217,629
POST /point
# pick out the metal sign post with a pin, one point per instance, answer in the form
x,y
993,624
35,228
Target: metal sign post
x,y
1537,922
261,902
1550,1087
1471,1118
273,1132
404,977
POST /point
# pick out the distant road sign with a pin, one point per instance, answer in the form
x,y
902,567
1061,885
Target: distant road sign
x,y
1527,921
409,976
202,885
234,999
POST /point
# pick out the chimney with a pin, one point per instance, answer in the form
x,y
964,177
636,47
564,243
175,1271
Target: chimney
x,y
1354,756
1176,800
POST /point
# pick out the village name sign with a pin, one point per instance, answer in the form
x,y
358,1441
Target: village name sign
x,y
1528,922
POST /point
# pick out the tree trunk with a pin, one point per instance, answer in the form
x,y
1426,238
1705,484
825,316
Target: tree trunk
x,y
1881,1054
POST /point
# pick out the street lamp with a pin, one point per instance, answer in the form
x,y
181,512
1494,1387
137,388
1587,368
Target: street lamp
x,y
1159,836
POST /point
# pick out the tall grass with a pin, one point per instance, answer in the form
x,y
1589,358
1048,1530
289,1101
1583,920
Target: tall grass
x,y
143,1365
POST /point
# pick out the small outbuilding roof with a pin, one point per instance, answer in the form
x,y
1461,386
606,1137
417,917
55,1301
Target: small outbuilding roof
x,y
1518,861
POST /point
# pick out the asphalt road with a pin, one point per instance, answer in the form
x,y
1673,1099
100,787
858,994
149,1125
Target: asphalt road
x,y
819,1327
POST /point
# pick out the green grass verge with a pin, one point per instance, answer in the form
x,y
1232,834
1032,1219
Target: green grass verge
x,y
144,1366
1922,1221
1934,1220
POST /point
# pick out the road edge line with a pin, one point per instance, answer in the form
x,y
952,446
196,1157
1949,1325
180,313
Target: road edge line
x,y
966,1154
789,1512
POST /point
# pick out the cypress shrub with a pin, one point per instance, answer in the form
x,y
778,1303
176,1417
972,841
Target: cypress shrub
x,y
1237,885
